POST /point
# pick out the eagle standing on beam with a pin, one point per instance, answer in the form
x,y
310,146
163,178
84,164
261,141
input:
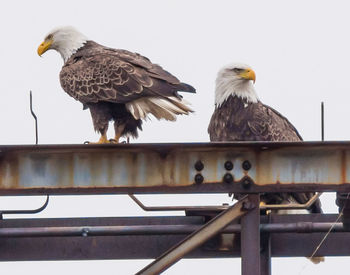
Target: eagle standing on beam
x,y
115,84
240,116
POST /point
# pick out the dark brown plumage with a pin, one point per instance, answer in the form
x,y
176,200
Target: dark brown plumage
x,y
238,119
232,121
116,85
104,79
96,73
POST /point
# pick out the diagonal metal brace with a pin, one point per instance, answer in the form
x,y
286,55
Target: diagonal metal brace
x,y
198,237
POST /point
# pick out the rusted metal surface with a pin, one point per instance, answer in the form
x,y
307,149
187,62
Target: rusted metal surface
x,y
175,168
198,237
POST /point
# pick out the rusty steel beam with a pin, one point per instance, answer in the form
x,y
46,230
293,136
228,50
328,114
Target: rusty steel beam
x,y
245,167
164,261
141,235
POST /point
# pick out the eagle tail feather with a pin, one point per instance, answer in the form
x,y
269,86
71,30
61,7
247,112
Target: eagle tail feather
x,y
181,103
160,108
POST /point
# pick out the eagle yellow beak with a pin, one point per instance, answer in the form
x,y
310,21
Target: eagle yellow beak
x,y
248,74
43,47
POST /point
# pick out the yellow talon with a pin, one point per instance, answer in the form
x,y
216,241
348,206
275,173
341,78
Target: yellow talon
x,y
116,138
103,140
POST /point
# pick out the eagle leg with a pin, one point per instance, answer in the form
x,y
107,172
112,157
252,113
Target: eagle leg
x,y
103,139
101,115
119,129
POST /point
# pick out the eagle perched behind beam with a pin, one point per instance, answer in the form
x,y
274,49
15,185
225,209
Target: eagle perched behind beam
x,y
240,116
115,84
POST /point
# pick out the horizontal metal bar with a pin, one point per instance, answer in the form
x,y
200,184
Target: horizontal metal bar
x,y
151,246
171,168
85,231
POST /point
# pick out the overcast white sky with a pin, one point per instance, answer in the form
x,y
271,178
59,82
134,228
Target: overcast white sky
x,y
298,49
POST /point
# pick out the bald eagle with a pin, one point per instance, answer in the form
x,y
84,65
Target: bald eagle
x,y
240,116
115,85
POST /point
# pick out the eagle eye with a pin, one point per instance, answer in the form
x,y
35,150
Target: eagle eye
x,y
49,37
237,70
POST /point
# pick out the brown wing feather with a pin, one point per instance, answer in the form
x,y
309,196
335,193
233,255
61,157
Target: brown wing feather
x,y
237,121
233,121
154,70
267,124
96,73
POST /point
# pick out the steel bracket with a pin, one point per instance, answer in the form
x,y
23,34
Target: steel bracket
x,y
25,211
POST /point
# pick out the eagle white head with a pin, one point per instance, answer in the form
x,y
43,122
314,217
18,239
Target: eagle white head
x,y
65,40
235,79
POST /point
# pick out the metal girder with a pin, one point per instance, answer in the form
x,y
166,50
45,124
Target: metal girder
x,y
154,235
121,230
198,237
245,167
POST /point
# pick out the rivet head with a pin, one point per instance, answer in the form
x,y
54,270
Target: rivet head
x,y
198,179
246,165
228,165
199,166
228,178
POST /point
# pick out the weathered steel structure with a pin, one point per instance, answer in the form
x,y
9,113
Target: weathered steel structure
x,y
239,230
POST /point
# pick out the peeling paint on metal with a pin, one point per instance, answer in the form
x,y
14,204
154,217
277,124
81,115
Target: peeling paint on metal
x,y
171,165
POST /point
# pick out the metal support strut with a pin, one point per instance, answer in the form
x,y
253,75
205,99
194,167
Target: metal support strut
x,y
250,238
199,237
